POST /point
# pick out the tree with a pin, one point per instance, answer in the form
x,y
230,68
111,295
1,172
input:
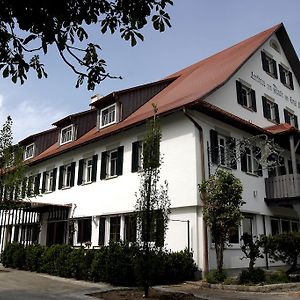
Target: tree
x,y
222,194
11,168
153,204
28,28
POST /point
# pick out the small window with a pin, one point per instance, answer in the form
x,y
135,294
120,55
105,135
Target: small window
x,y
290,118
269,65
115,226
270,110
108,115
247,225
84,232
286,77
29,151
246,96
285,226
137,156
49,181
275,45
87,170
234,237
67,134
275,229
66,176
249,161
112,163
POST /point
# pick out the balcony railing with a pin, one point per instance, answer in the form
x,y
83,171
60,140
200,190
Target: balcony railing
x,y
283,186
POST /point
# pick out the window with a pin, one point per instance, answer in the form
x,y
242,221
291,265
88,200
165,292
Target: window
x,y
112,163
270,110
66,176
84,231
29,151
286,77
269,65
108,115
115,226
87,170
279,166
49,181
290,118
283,225
249,161
275,45
234,237
33,186
67,134
222,150
102,226
246,96
130,228
247,225
137,156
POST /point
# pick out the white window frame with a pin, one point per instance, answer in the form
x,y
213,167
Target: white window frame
x,y
110,120
287,76
269,60
26,151
49,181
66,183
87,170
247,90
71,137
271,105
291,116
252,164
111,163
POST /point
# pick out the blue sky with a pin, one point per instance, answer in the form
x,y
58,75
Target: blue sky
x,y
200,28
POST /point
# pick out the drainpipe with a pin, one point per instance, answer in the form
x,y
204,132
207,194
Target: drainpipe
x,y
202,160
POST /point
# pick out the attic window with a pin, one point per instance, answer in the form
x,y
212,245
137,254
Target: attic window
x,y
29,151
108,115
67,134
275,45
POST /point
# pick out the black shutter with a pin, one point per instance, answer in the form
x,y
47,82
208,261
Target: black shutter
x,y
29,186
253,100
290,167
135,157
296,121
73,164
44,182
94,167
23,193
214,147
239,92
61,177
264,61
277,119
275,68
231,144
80,171
291,80
266,110
282,74
103,165
287,118
257,154
37,184
54,179
244,161
101,232
120,160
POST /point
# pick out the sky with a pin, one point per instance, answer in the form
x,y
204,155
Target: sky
x,y
199,29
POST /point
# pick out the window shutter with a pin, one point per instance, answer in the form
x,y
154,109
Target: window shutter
x,y
264,61
296,121
37,184
44,182
103,165
94,167
120,160
290,166
275,68
286,116
266,111
257,154
253,100
80,171
159,239
101,232
239,92
135,157
231,144
282,74
29,186
214,147
244,162
23,193
54,179
61,177
1,192
277,119
72,181
291,80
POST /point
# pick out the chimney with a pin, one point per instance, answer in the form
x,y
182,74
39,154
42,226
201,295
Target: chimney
x,y
94,99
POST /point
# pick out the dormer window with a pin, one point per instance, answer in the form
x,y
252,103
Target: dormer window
x,y
108,115
67,134
29,151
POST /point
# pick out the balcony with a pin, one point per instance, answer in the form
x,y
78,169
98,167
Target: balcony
x,y
284,186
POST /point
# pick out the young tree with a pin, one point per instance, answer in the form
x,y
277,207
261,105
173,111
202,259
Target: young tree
x,y
153,204
222,195
11,167
28,28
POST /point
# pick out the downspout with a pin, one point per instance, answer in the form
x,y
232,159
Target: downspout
x,y
202,160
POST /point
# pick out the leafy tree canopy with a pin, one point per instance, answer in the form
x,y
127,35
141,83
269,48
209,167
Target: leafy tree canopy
x,y
28,28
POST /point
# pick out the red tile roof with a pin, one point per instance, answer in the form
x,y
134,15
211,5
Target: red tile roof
x,y
189,86
282,129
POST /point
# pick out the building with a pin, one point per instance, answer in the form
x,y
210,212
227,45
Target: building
x,y
85,169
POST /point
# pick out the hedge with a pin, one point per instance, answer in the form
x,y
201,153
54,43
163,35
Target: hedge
x,y
118,263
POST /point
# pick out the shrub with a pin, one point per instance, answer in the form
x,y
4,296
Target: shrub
x,y
284,247
216,277
33,254
252,276
277,277
13,256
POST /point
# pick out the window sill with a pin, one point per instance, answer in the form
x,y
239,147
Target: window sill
x,y
106,125
48,192
273,121
111,177
86,183
65,187
272,75
248,108
288,86
252,174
